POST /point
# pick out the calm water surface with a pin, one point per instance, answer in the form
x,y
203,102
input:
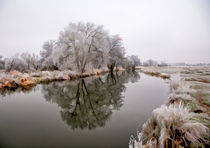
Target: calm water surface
x,y
96,112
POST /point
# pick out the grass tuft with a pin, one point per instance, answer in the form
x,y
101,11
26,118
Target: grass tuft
x,y
172,125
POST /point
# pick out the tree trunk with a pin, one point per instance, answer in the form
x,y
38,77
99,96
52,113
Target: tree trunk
x,y
112,69
133,68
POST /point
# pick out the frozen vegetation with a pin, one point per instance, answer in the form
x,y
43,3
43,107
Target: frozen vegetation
x,y
171,126
82,49
184,121
85,49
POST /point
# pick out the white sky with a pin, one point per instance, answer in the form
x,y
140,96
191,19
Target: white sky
x,y
164,30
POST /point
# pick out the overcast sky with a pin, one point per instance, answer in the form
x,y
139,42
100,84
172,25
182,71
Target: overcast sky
x,y
164,30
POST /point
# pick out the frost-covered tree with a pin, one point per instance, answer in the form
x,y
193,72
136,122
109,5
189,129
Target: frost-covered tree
x,y
131,62
1,63
26,57
46,54
150,62
135,61
15,63
81,45
24,62
35,62
116,52
9,63
31,61
163,64
126,63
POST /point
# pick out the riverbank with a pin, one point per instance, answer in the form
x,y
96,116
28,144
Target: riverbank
x,y
15,79
185,120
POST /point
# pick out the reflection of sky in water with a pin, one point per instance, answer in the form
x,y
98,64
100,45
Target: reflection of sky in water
x,y
104,115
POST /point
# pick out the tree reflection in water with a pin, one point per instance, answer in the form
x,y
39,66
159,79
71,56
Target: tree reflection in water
x,y
88,103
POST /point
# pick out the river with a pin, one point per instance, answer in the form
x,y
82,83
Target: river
x,y
95,112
